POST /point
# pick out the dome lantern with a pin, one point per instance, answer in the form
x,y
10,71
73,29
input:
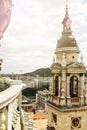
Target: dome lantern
x,y
67,43
66,21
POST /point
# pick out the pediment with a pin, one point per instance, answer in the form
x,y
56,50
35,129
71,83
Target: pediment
x,y
76,65
55,66
76,68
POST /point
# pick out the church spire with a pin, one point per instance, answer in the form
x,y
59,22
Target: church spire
x,y
66,7
66,21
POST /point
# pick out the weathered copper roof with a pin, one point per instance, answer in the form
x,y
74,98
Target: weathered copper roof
x,y
67,40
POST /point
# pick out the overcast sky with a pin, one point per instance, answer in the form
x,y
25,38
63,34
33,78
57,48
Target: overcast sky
x,y
30,40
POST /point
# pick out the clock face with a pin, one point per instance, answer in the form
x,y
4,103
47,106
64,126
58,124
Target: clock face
x,y
5,13
76,122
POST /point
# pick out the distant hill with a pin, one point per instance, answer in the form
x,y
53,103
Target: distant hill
x,y
42,72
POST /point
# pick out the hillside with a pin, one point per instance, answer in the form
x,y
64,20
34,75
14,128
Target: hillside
x,y
42,72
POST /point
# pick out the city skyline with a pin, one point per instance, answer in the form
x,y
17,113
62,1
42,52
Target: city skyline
x,y
30,40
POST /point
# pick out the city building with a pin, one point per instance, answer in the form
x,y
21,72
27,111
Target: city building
x,y
41,98
26,104
36,81
67,104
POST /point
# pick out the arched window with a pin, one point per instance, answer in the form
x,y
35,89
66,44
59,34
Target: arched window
x,y
74,86
56,86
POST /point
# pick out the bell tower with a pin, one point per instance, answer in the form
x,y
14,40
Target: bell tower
x,y
67,103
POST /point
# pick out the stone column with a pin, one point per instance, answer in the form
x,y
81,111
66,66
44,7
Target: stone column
x,y
59,87
85,89
62,98
54,84
68,92
2,121
52,89
81,90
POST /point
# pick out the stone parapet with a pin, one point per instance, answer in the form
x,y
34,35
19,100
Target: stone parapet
x,y
10,107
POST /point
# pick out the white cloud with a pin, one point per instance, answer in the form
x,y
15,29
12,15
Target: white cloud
x,y
35,26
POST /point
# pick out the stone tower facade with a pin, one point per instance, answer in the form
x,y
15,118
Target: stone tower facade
x,y
67,103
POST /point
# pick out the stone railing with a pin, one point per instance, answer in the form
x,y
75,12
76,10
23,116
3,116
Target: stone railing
x,y
56,100
10,108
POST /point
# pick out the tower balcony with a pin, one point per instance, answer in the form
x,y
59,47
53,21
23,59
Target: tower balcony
x,y
68,102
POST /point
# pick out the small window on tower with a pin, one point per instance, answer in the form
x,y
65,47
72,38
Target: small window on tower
x,y
73,57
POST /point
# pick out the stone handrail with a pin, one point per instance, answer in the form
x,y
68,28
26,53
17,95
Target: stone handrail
x,y
9,95
10,107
